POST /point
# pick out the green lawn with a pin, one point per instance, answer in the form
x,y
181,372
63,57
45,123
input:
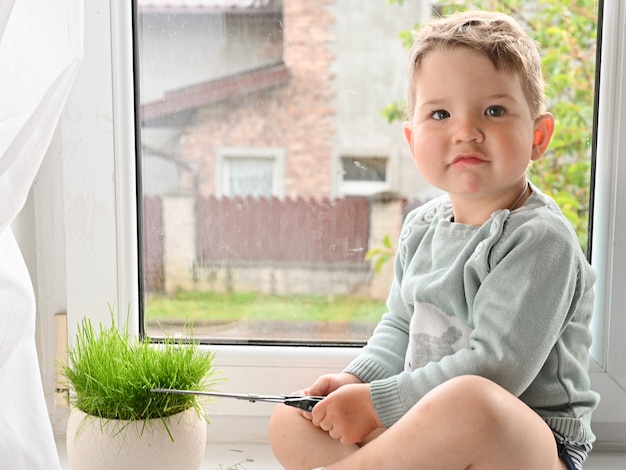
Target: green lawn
x,y
194,306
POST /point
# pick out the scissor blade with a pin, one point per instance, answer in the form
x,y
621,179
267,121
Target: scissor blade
x,y
238,396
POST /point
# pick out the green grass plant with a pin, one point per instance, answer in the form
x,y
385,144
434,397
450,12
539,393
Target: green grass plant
x,y
111,374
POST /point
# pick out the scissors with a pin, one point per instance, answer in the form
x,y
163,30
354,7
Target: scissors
x,y
303,402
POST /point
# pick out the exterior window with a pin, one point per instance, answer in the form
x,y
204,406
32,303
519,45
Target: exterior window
x,y
364,176
251,172
249,177
273,158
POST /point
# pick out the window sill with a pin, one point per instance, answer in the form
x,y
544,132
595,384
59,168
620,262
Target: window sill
x,y
222,456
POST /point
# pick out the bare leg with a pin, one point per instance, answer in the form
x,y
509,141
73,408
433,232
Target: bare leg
x,y
466,423
299,445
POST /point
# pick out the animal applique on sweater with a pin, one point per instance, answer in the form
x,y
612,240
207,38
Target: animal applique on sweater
x,y
433,335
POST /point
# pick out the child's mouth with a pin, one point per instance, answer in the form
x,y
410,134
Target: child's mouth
x,y
467,160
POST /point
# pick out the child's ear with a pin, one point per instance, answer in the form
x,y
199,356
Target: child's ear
x,y
408,134
544,128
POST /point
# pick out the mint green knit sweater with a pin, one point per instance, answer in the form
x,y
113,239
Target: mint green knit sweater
x,y
510,300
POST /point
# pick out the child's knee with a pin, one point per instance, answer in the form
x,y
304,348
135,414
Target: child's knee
x,y
471,399
473,386
281,432
281,420
469,388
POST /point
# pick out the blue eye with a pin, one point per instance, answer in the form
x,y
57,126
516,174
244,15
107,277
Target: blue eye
x,y
494,111
440,115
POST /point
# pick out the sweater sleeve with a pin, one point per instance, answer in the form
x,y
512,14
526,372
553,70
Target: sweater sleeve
x,y
523,289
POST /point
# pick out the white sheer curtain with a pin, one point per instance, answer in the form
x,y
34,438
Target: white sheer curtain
x,y
41,45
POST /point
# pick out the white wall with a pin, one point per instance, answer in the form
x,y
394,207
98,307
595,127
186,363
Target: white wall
x,y
368,34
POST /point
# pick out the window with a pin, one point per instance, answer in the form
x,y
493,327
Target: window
x,y
262,238
364,176
249,172
248,177
86,245
364,169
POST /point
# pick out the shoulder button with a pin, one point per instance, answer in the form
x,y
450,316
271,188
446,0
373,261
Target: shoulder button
x,y
495,226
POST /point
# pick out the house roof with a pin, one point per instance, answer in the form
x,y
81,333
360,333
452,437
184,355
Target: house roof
x,y
206,5
177,104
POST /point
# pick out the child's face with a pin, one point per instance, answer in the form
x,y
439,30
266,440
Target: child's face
x,y
472,134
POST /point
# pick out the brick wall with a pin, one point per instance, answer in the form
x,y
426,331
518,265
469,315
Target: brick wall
x,y
297,117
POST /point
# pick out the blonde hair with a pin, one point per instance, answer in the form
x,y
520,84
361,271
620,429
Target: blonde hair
x,y
496,35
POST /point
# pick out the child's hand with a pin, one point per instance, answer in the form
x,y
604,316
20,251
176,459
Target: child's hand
x,y
347,414
328,383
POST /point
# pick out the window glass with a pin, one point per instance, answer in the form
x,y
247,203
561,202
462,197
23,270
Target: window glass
x,y
364,176
364,169
274,169
249,177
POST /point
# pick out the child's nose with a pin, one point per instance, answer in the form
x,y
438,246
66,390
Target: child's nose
x,y
467,130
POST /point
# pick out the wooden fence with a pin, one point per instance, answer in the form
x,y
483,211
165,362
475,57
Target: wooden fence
x,y
251,229
261,230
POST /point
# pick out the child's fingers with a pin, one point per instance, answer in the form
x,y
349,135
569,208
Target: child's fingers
x,y
319,388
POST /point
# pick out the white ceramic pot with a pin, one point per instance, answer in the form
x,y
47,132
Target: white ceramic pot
x,y
101,444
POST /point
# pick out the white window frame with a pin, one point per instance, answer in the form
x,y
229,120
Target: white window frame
x,y
85,225
609,221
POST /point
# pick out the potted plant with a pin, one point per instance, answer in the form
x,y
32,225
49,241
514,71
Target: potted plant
x,y
115,420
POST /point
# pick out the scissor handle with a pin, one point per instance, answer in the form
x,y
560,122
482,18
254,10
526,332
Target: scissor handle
x,y
306,403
